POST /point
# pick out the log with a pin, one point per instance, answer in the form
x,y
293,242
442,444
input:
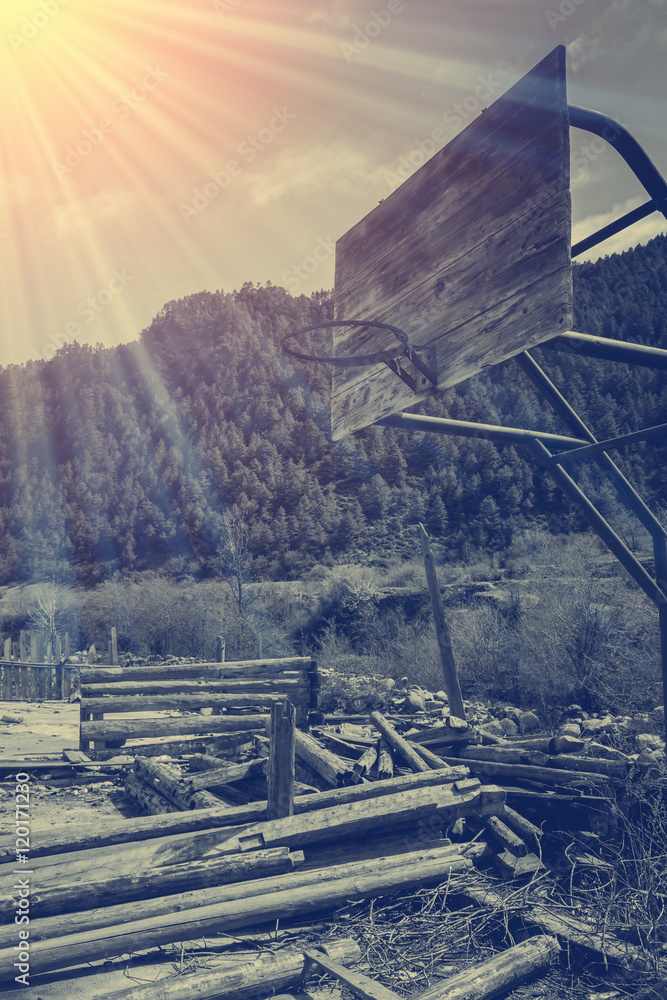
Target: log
x,y
528,772
171,786
222,775
505,836
289,666
397,743
366,761
362,986
404,809
449,675
385,764
452,730
496,975
428,756
184,726
330,767
298,880
521,825
244,982
148,797
153,702
579,932
122,831
280,779
186,925
90,893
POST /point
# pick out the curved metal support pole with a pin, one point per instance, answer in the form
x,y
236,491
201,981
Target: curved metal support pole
x,y
627,146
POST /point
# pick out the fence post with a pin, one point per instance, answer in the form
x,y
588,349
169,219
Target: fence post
x,y
23,651
58,654
92,655
67,650
33,647
449,674
114,647
280,798
7,654
220,649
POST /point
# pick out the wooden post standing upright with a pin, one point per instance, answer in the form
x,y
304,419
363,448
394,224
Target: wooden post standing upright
x,y
449,674
281,760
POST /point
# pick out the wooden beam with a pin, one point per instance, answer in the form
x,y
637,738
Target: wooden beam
x,y
397,743
362,986
449,675
280,796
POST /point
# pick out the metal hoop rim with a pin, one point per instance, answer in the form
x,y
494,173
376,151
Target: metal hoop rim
x,y
363,359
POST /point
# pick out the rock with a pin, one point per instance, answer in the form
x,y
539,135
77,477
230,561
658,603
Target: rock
x,y
647,741
573,710
493,727
570,729
11,718
442,696
658,713
415,700
510,728
529,721
590,726
206,711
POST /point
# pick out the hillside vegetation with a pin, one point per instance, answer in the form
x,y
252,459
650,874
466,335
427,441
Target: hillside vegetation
x,y
203,448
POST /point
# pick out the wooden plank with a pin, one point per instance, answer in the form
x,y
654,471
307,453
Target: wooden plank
x,y
295,665
106,729
293,689
111,704
280,797
362,986
7,650
450,676
23,645
470,255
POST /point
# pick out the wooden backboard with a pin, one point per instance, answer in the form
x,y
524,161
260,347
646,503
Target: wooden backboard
x,y
470,256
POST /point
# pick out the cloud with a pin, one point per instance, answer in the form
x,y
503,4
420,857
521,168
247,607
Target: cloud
x,y
643,30
75,216
334,13
335,168
641,232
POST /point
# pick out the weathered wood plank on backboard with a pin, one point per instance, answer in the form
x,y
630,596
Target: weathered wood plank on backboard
x,y
470,256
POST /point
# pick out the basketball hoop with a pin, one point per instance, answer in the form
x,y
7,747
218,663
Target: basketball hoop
x,y
389,358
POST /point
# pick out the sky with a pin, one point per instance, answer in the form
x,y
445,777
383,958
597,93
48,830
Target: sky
x,y
152,149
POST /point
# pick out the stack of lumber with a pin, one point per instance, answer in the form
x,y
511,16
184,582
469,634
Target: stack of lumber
x,y
234,691
371,812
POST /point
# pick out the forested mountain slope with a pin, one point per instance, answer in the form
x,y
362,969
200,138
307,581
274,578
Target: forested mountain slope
x,y
204,443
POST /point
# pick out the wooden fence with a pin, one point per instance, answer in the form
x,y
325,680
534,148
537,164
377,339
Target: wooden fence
x,y
32,668
240,694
